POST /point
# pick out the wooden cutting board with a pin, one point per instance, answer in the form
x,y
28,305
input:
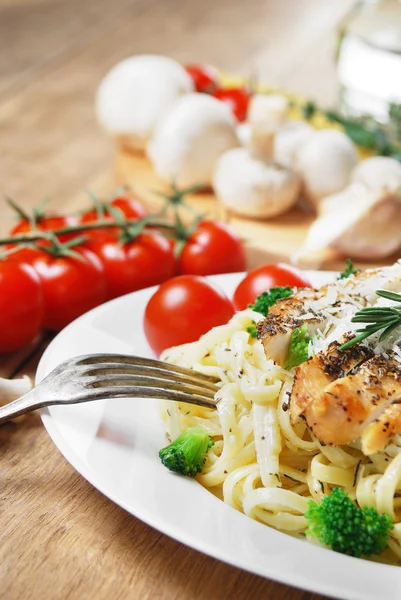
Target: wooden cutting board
x,y
268,240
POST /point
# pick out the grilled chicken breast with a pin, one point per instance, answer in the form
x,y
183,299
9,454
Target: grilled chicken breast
x,y
342,395
351,406
315,307
314,376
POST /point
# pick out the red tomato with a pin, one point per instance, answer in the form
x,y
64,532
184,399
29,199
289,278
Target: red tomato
x,y
213,248
131,208
147,260
263,278
71,286
236,98
205,77
50,223
21,305
182,309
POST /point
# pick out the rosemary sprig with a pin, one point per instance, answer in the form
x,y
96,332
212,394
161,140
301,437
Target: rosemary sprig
x,y
386,318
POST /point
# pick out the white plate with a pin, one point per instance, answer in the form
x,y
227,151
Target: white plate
x,y
114,444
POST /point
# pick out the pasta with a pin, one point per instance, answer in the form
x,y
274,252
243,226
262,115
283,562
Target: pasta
x,y
261,464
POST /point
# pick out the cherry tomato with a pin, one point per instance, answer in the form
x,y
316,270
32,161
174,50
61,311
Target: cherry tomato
x,y
212,248
236,98
182,309
263,278
205,77
49,223
21,305
131,208
145,261
71,286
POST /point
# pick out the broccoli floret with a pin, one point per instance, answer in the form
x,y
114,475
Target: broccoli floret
x,y
267,299
349,269
298,348
338,523
187,454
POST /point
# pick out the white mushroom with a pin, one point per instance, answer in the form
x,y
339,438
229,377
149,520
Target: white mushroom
x,y
325,163
254,188
188,142
136,93
357,223
289,139
378,172
266,114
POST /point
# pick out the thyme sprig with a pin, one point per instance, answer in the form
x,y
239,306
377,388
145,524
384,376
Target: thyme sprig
x,y
386,318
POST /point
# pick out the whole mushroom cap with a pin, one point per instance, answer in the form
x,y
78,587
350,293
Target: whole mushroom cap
x,y
289,139
136,93
325,163
252,187
190,139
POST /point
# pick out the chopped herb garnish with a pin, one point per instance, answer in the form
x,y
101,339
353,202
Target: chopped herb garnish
x,y
252,329
267,299
349,269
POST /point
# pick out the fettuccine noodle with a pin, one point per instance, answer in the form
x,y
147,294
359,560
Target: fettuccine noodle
x,y
261,464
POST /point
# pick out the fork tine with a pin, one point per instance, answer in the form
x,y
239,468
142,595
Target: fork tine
x,y
148,392
95,359
108,370
116,381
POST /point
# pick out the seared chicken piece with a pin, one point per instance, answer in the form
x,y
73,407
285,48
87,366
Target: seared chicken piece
x,y
316,374
314,307
356,405
376,435
285,316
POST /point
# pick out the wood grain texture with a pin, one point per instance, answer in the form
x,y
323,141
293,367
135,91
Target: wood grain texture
x,y
60,538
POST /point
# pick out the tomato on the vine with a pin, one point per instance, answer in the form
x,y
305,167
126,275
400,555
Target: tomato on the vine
x,y
205,77
21,305
263,278
212,248
146,260
71,285
129,207
47,223
236,98
182,309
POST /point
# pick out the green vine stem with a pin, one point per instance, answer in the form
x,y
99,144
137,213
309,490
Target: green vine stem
x,y
48,235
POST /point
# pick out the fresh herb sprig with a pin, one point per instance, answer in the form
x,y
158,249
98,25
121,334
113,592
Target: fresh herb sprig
x,y
386,318
349,269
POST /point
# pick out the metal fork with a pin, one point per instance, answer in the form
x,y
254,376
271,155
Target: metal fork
x,y
101,376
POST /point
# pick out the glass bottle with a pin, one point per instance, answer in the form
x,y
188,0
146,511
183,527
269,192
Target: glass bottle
x,y
369,58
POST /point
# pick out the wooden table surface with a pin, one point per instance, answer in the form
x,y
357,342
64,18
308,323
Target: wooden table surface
x,y
60,538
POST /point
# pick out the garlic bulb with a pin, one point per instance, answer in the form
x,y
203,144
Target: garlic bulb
x,y
11,389
325,162
190,139
254,188
378,173
136,93
358,222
